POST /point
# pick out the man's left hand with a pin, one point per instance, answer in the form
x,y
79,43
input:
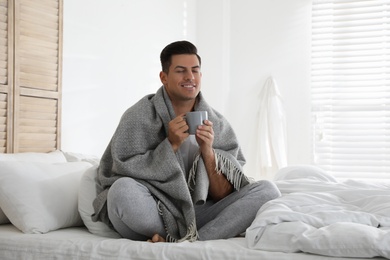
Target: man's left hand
x,y
205,138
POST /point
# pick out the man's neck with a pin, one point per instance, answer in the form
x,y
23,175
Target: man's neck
x,y
183,107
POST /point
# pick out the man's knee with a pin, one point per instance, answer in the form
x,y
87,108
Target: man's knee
x,y
126,187
122,192
266,189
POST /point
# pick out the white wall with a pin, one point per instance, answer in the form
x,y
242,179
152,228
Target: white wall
x,y
111,59
242,44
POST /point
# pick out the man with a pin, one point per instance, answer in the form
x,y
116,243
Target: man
x,y
158,183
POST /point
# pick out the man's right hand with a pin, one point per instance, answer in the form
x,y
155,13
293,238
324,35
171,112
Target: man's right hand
x,y
178,131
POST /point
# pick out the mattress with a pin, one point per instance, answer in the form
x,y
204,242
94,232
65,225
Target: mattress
x,y
78,243
317,217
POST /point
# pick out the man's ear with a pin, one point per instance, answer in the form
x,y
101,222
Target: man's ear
x,y
163,77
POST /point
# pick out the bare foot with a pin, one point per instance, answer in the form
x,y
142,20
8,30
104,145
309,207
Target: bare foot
x,y
156,239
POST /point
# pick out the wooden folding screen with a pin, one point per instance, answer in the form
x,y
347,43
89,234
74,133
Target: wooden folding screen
x,y
30,75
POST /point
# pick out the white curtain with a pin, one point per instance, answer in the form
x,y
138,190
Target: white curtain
x,y
272,140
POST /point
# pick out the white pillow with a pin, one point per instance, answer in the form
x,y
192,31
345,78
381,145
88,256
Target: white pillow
x,y
39,197
52,157
87,194
303,171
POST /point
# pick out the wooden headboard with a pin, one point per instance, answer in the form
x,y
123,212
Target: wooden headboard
x,y
30,75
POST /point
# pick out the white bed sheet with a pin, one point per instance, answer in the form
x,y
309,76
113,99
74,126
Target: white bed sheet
x,y
78,243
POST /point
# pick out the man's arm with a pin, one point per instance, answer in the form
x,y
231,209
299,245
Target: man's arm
x,y
219,186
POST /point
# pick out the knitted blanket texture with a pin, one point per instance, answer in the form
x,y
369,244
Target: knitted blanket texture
x,y
141,150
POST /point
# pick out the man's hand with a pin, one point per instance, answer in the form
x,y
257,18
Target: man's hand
x,y
178,131
219,186
205,138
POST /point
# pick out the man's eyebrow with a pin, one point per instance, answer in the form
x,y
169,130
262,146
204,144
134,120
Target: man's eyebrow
x,y
183,67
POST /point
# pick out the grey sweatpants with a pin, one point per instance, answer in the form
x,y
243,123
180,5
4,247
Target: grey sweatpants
x,y
133,211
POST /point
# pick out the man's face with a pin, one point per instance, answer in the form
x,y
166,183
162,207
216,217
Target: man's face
x,y
183,79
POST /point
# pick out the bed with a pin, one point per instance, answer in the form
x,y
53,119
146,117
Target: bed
x,y
45,207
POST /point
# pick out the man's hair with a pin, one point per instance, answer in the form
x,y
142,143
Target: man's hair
x,y
176,48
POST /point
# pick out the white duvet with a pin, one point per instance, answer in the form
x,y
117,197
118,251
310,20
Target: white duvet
x,y
319,215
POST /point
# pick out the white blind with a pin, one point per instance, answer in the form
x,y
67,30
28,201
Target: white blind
x,y
350,86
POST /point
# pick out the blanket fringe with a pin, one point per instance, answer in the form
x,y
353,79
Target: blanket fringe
x,y
191,175
232,173
191,236
222,165
192,232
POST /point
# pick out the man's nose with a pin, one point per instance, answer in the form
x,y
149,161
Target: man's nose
x,y
189,75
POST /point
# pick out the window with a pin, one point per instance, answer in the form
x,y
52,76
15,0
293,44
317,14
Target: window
x,y
351,87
